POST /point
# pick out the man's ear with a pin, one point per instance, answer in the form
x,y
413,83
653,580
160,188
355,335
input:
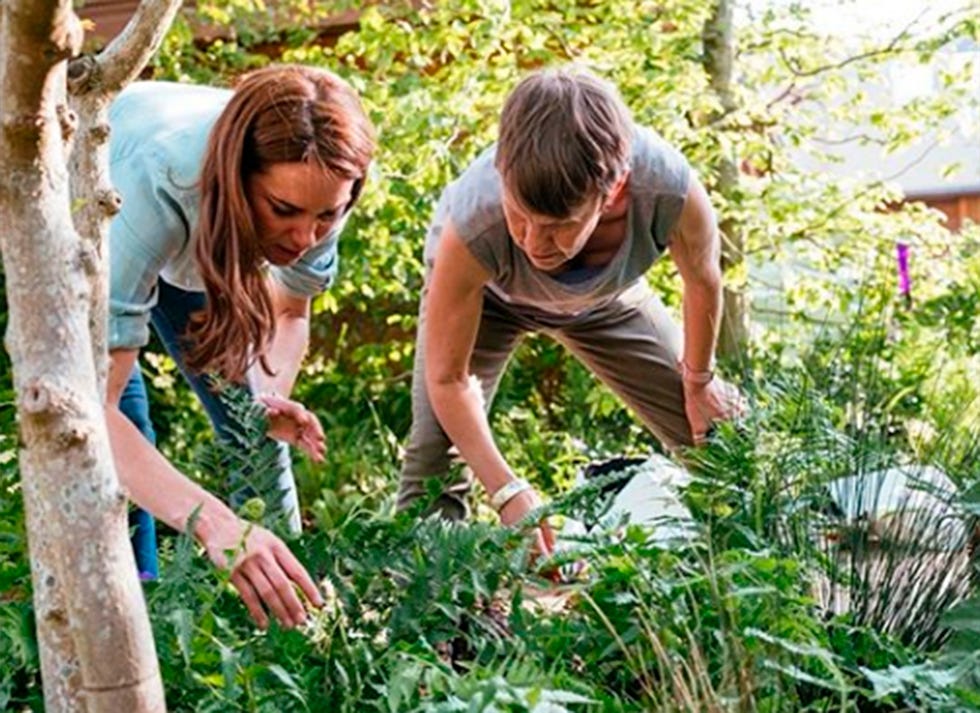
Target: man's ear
x,y
617,189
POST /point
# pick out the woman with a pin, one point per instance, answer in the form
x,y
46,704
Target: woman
x,y
232,205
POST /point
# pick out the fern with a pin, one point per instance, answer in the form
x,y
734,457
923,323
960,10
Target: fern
x,y
250,459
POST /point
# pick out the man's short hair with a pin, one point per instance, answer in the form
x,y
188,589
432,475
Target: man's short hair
x,y
564,136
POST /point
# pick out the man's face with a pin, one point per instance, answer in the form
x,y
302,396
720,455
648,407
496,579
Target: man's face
x,y
547,241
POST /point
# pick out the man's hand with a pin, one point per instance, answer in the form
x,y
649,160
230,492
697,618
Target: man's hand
x,y
707,403
264,572
291,422
520,505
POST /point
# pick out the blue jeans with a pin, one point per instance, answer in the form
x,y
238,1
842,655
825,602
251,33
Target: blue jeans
x,y
169,318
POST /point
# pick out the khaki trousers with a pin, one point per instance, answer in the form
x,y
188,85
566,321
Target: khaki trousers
x,y
632,344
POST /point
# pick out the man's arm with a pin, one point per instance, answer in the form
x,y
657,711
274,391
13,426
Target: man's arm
x,y
453,309
696,249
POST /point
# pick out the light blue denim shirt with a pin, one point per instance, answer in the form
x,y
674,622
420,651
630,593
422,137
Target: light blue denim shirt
x,y
159,134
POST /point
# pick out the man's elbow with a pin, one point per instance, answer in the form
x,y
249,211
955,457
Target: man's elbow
x,y
445,383
438,379
707,278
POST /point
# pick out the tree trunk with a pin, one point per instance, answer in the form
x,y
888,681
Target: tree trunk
x,y
59,662
93,84
719,58
97,650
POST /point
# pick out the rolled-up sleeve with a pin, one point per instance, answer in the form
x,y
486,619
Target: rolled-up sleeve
x,y
313,273
143,236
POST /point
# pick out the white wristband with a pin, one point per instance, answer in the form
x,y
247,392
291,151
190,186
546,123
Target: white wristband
x,y
508,492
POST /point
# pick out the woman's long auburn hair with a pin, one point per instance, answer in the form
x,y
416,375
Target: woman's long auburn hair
x,y
280,114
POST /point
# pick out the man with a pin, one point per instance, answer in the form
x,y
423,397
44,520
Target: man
x,y
551,230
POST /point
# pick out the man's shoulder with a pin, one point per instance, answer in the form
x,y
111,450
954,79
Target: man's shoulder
x,y
474,200
472,203
649,141
657,165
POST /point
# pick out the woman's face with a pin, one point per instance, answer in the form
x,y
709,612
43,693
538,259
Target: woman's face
x,y
294,206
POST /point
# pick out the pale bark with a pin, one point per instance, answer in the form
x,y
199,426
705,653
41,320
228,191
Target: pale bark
x,y
59,664
93,83
719,59
97,649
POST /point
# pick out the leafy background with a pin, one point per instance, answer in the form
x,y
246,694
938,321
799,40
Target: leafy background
x,y
842,377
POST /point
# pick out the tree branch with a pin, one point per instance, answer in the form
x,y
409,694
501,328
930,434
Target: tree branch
x,y
860,136
122,61
913,163
53,31
788,93
891,47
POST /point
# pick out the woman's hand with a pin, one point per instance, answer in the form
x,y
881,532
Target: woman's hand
x,y
707,403
293,423
517,508
264,572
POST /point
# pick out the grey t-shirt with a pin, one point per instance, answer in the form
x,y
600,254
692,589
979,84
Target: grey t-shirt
x,y
658,183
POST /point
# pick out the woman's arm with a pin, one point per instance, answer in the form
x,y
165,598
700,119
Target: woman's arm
x,y
289,343
263,569
289,420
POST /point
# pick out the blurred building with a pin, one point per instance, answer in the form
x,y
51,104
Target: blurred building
x,y
942,166
106,18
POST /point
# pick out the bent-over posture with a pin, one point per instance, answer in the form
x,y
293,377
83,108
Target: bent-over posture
x,y
552,230
233,202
